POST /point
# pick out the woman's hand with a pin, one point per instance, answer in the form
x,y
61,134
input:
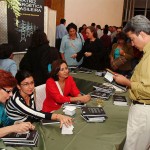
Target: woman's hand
x,y
84,98
64,120
74,56
22,127
122,80
88,54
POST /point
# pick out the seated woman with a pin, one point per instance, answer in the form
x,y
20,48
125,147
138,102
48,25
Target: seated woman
x,y
61,88
92,52
6,59
7,83
21,107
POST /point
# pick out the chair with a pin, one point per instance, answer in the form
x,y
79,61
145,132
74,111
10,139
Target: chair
x,y
40,95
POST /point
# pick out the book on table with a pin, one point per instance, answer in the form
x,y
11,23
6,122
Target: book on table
x,y
109,77
93,111
30,140
46,121
77,104
120,100
85,70
93,119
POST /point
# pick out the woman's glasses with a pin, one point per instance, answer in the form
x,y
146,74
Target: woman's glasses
x,y
7,91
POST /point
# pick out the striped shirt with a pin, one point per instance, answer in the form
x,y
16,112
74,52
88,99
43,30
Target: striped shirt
x,y
18,110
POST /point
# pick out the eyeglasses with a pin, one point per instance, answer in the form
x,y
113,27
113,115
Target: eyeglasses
x,y
27,84
7,91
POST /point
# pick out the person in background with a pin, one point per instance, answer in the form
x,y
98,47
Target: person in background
x,y
21,107
121,48
61,88
38,57
71,43
84,26
138,126
92,52
93,25
99,31
7,83
60,33
6,59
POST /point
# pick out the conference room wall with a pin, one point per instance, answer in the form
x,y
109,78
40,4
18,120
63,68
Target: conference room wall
x,y
99,11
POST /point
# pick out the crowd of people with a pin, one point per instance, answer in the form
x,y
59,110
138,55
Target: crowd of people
x,y
90,47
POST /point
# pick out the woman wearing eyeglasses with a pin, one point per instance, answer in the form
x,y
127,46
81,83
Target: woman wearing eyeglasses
x,y
21,107
7,83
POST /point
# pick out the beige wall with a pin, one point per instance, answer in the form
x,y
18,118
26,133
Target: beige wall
x,y
99,11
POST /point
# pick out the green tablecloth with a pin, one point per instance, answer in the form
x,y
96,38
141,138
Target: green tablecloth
x,y
109,135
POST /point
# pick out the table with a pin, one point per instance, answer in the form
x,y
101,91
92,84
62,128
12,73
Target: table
x,y
109,135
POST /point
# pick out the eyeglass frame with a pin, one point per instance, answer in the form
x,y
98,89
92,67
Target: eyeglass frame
x,y
7,91
27,84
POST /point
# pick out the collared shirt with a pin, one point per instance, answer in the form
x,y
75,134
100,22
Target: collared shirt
x,y
140,81
61,31
70,47
4,119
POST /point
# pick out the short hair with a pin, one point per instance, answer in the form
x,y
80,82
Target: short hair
x,y
105,31
38,38
62,21
137,24
56,68
92,29
98,26
5,50
121,36
7,79
71,25
22,75
93,24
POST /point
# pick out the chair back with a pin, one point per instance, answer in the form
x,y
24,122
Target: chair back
x,y
40,95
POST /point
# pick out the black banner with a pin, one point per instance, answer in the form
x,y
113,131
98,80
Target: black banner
x,y
31,18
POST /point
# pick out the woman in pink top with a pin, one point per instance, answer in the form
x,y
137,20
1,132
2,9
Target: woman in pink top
x,y
61,88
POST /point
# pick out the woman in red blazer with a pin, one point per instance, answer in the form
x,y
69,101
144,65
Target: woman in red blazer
x,y
61,88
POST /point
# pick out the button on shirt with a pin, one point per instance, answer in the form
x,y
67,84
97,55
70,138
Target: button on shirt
x,y
140,81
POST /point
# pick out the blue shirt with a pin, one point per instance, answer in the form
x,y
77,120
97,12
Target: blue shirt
x,y
117,53
61,31
70,47
4,120
8,65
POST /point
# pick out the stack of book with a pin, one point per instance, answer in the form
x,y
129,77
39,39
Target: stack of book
x,y
85,70
102,91
77,104
120,100
47,122
25,139
93,114
70,110
73,69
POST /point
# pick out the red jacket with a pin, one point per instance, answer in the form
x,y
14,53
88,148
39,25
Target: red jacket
x,y
54,99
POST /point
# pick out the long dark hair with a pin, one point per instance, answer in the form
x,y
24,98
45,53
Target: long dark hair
x,y
56,68
22,75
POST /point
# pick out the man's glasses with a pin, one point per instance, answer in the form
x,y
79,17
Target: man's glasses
x,y
7,91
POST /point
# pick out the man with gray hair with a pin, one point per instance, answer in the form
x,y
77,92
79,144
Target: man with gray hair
x,y
138,126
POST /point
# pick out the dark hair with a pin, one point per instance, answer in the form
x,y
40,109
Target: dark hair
x,y
92,29
7,79
105,31
137,24
56,68
83,25
121,36
71,25
62,21
22,75
80,29
5,50
38,38
98,26
93,24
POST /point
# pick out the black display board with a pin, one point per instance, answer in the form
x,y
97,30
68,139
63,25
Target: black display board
x,y
31,18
